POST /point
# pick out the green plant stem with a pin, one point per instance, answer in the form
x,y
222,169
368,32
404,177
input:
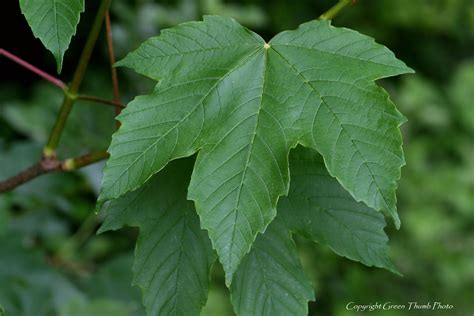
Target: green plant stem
x,y
66,255
82,161
86,230
78,76
333,11
69,248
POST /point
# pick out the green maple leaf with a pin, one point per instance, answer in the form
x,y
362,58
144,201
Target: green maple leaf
x,y
173,257
243,104
54,22
318,208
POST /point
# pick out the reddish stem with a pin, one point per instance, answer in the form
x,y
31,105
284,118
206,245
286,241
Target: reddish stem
x,y
58,83
113,70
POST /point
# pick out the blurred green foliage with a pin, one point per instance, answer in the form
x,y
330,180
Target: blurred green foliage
x,y
52,263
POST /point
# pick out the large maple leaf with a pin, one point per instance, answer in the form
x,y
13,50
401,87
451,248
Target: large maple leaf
x,y
242,104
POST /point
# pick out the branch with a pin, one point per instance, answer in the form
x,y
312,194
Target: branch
x,y
50,164
58,83
78,76
22,177
332,12
113,70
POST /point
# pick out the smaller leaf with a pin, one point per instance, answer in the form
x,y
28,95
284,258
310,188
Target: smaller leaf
x,y
319,208
174,256
270,280
54,22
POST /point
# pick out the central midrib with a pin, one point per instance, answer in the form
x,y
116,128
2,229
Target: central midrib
x,y
249,154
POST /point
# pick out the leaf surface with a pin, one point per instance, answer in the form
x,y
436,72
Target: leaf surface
x,y
54,22
319,208
242,104
344,114
173,256
270,280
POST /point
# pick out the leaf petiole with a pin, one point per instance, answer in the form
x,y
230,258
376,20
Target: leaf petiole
x,y
333,11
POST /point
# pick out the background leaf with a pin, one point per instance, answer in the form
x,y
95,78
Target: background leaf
x,y
270,279
54,22
173,255
318,208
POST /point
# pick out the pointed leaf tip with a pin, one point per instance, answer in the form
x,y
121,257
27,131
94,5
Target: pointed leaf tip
x,y
54,23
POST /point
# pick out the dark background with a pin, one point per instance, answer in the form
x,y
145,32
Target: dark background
x,y
51,261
